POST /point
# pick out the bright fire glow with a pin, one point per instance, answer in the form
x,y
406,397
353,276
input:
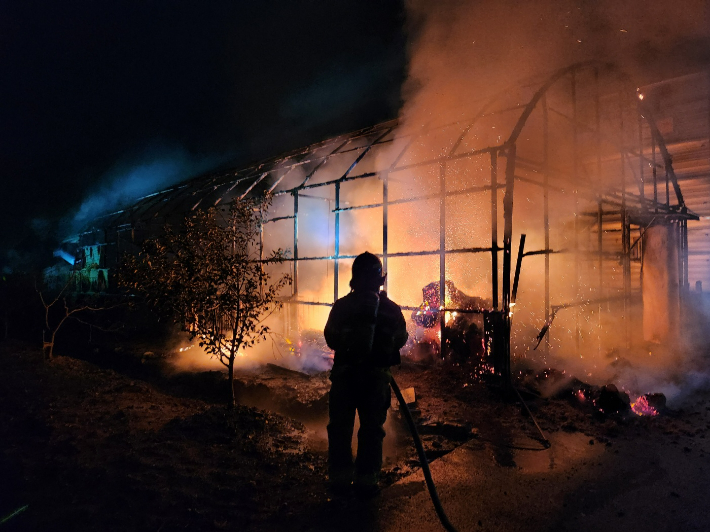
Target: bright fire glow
x,y
449,316
641,407
225,350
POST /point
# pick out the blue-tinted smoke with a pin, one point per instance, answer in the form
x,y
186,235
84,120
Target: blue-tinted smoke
x,y
65,255
126,182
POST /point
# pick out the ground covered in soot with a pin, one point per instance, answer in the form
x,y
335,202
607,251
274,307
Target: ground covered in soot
x,y
121,442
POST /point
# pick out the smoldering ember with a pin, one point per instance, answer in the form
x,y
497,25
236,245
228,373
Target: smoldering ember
x,y
544,229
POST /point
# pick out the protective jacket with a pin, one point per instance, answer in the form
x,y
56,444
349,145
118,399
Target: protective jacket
x,y
365,328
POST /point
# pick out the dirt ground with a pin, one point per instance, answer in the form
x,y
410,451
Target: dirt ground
x,y
86,448
120,443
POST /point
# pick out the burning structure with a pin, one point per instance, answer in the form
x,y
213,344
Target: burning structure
x,y
558,199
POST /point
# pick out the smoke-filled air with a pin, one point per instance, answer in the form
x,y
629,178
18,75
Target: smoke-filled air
x,y
130,179
463,53
473,68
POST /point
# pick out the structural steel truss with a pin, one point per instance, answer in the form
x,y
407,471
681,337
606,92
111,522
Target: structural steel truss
x,y
580,137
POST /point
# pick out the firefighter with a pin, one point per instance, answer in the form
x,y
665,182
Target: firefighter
x,y
366,330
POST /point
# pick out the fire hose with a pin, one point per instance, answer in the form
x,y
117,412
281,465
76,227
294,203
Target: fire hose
x,y
422,458
441,514
370,305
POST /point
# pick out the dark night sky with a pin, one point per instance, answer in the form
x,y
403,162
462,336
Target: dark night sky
x,y
90,90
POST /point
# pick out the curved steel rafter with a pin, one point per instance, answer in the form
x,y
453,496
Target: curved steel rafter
x,y
362,142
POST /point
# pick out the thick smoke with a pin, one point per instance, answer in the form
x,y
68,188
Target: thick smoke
x,y
462,53
135,177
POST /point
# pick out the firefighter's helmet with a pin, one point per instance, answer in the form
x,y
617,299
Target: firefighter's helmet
x,y
367,271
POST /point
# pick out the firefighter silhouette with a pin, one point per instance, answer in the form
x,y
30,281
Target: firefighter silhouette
x,y
366,330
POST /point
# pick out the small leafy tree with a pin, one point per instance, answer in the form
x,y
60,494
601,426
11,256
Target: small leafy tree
x,y
210,277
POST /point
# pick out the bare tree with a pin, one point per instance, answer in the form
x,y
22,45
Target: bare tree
x,y
211,278
53,320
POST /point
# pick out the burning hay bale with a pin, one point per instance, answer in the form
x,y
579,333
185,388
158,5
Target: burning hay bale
x,y
463,332
604,400
650,404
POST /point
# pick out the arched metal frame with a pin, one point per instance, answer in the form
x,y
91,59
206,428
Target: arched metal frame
x,y
626,207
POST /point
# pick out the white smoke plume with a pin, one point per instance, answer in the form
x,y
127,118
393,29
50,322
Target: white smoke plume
x,y
461,53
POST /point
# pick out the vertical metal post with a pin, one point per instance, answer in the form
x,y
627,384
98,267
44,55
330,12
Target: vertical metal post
x,y
598,139
442,251
625,236
337,242
507,237
600,267
600,256
505,366
546,209
508,224
293,307
668,192
494,228
295,243
679,246
684,239
681,276
385,221
518,265
575,178
625,250
681,273
655,177
641,161
261,247
600,210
